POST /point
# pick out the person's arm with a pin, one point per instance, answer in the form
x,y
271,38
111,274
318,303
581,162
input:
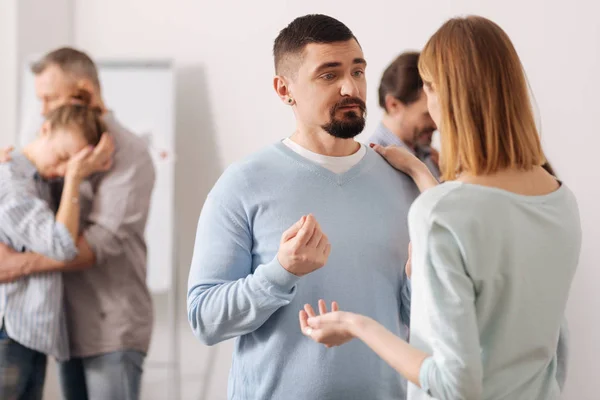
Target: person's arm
x,y
68,209
404,358
29,220
225,299
405,161
423,177
120,207
454,369
336,328
79,167
15,265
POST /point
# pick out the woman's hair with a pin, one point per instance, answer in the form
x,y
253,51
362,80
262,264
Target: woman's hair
x,y
487,121
79,115
549,169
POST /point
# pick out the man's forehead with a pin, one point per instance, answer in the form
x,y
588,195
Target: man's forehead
x,y
53,76
343,52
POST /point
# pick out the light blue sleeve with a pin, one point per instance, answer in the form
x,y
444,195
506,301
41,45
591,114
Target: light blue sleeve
x,y
454,371
225,299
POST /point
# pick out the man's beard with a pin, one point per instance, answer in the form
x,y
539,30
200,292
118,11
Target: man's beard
x,y
423,138
352,124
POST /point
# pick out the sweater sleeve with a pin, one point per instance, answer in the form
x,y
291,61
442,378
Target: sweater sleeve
x,y
454,371
225,299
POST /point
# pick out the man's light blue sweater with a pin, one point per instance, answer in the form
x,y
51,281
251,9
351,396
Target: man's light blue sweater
x,y
238,289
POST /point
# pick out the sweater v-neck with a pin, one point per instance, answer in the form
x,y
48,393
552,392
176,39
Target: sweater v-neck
x,y
338,179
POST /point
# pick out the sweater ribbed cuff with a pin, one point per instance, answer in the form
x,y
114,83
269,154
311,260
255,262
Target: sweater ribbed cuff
x,y
277,276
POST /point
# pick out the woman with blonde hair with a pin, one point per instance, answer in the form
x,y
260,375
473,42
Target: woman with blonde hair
x,y
33,324
494,248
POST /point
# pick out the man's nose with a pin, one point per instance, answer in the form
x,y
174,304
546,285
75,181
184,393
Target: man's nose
x,y
349,88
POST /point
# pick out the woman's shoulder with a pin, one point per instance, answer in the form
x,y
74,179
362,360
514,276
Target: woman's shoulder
x,y
437,198
16,176
458,203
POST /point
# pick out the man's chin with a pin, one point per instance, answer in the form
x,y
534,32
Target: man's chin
x,y
344,132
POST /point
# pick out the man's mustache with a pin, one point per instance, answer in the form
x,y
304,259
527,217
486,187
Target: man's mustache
x,y
350,101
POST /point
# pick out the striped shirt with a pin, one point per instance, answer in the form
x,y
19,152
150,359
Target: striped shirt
x,y
32,307
384,137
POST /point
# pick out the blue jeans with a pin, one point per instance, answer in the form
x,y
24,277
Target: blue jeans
x,y
22,370
114,376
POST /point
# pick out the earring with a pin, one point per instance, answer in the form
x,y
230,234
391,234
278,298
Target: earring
x,y
290,100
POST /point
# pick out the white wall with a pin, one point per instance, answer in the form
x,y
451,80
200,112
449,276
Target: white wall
x,y
26,27
51,20
227,109
41,26
8,70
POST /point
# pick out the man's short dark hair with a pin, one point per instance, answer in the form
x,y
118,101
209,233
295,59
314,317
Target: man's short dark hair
x,y
71,61
313,28
401,79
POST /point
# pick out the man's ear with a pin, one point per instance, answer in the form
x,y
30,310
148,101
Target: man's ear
x,y
85,84
281,86
85,92
393,106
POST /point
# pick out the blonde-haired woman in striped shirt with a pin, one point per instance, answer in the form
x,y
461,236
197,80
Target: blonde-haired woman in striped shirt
x,y
31,308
